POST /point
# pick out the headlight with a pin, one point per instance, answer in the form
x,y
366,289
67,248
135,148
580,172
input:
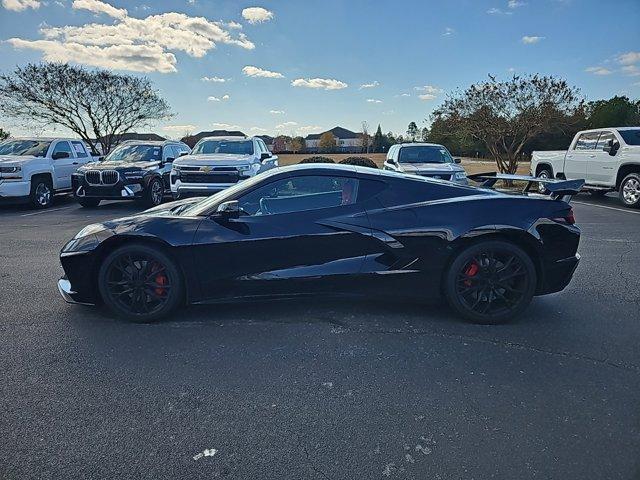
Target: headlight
x,y
12,169
136,174
244,168
90,230
460,176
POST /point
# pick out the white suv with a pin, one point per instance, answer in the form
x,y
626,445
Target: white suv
x,y
34,169
216,163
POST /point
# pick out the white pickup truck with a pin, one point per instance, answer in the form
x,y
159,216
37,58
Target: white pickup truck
x,y
34,169
608,159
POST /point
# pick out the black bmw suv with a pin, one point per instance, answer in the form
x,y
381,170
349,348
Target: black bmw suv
x,y
134,170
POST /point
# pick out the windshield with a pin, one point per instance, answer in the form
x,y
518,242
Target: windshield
x,y
631,137
425,154
36,148
135,153
233,147
212,202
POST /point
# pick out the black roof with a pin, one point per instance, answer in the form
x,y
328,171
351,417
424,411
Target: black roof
x,y
337,132
191,140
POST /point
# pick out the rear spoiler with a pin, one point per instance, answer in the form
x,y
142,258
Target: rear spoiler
x,y
557,189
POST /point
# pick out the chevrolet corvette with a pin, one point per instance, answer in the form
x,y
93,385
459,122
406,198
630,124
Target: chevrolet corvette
x,y
333,229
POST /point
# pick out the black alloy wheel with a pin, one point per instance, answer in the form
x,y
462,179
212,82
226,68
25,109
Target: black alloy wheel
x,y
140,283
491,282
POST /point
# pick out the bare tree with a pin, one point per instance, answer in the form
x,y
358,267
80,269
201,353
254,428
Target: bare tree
x,y
97,105
365,136
504,116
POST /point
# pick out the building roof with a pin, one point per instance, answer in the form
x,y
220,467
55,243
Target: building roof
x,y
338,132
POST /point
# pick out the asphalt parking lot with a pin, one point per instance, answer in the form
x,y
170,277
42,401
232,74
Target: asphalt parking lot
x,y
322,389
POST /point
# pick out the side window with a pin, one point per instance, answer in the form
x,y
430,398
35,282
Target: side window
x,y
78,147
297,194
604,140
63,147
587,141
170,152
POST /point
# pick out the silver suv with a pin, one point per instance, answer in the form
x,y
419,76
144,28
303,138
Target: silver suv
x,y
216,163
427,160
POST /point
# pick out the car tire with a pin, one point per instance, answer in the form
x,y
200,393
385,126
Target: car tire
x,y
544,173
153,194
630,190
490,282
41,193
140,283
88,202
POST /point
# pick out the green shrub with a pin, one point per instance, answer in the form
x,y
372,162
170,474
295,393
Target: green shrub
x,y
318,159
359,161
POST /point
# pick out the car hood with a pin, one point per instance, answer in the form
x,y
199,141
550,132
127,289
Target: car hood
x,y
430,167
213,158
17,159
173,208
119,165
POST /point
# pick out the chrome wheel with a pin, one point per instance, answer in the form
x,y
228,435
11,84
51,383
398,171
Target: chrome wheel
x,y
138,283
544,174
156,193
43,194
631,191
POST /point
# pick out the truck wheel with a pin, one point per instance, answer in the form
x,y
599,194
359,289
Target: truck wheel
x,y
41,195
88,202
545,174
153,194
630,190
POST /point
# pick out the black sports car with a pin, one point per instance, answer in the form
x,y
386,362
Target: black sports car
x,y
332,229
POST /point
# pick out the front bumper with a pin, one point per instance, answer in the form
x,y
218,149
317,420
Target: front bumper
x,y
14,189
70,296
123,190
558,275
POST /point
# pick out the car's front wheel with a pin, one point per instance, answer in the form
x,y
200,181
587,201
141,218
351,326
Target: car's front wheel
x,y
140,283
490,282
41,194
153,194
630,190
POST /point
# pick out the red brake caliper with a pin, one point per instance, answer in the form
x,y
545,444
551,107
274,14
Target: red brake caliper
x,y
471,271
160,279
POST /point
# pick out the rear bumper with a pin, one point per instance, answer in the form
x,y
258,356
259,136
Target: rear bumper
x,y
558,275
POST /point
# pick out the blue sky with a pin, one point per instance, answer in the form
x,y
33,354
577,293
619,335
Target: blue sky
x,y
312,58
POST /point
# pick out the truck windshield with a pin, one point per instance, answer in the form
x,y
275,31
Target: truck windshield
x,y
135,153
244,147
631,137
36,148
424,154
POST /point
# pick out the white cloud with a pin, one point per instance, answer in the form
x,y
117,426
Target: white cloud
x,y
256,15
404,95
631,70
373,84
529,40
234,25
498,11
516,4
214,79
251,71
178,128
599,71
137,44
628,58
213,99
96,6
308,129
286,125
226,126
389,112
429,89
225,97
258,129
20,5
426,96
276,112
373,100
448,32
324,83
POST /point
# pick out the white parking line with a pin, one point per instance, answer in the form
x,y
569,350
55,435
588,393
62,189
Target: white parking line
x,y
624,210
47,211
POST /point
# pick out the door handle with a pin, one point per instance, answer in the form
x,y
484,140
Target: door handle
x,y
592,156
75,163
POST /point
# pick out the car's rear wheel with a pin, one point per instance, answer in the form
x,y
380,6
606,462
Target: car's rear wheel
x,y
490,282
41,195
544,174
630,190
140,283
88,202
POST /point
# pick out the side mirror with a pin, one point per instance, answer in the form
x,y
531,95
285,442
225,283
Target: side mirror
x,y
457,160
391,161
230,209
59,155
169,159
182,154
265,156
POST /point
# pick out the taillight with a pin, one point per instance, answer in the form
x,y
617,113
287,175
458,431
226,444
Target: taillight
x,y
569,218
